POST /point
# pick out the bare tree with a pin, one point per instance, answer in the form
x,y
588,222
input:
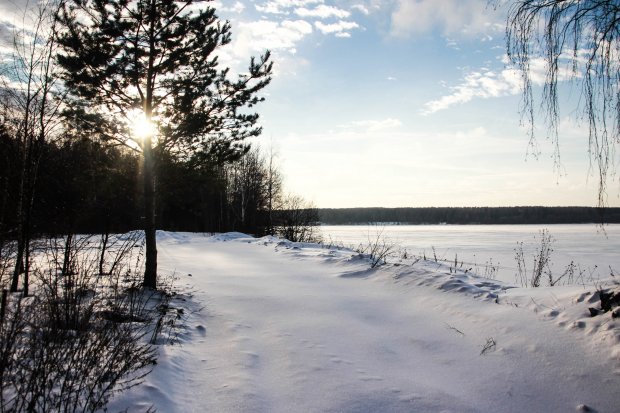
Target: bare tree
x,y
274,189
296,220
29,111
254,191
247,189
578,40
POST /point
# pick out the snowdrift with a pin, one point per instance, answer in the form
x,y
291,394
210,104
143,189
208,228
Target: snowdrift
x,y
275,326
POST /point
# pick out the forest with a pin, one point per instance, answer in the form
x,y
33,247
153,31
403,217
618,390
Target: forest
x,y
84,186
472,215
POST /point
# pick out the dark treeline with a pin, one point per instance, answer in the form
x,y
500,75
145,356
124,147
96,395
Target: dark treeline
x,y
473,215
83,186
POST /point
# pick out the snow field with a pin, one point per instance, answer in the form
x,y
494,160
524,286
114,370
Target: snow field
x,y
274,326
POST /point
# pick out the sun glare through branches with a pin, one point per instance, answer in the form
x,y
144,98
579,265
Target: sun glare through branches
x,y
140,126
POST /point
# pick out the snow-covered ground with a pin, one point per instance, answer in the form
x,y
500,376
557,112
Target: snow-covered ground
x,y
273,326
490,249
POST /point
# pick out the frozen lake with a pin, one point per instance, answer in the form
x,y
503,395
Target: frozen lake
x,y
485,248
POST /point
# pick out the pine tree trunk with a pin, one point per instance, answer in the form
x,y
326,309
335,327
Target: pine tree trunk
x,y
150,265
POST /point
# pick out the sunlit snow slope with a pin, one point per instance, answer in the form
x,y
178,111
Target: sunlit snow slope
x,y
279,327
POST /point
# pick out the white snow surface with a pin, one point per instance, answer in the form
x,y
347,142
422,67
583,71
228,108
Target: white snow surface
x,y
274,326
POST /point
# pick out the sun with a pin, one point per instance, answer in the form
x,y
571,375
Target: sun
x,y
140,126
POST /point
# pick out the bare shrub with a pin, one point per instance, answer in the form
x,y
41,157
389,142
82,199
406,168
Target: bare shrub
x,y
574,273
541,262
542,259
541,266
81,337
332,243
490,269
296,220
378,248
521,275
55,368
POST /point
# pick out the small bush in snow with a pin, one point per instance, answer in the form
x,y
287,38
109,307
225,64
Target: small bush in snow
x,y
80,337
378,248
296,220
541,267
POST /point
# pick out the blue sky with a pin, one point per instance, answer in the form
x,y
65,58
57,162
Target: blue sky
x,y
402,103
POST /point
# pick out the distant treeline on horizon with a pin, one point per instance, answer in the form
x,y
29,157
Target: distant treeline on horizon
x,y
470,215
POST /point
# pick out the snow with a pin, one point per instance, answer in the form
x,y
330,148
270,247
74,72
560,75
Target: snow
x,y
490,249
274,326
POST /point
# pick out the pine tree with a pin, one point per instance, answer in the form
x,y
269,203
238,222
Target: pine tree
x,y
152,62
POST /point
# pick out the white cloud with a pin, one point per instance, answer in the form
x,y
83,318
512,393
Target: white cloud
x,y
270,8
449,16
313,9
453,44
322,11
283,6
361,8
276,36
340,28
238,7
487,84
483,85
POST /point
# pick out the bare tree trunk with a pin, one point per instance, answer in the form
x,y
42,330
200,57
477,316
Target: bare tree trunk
x,y
3,300
104,244
21,241
23,173
242,206
66,262
270,192
26,281
23,229
4,197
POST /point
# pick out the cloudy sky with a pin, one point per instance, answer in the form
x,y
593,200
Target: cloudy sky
x,y
401,103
